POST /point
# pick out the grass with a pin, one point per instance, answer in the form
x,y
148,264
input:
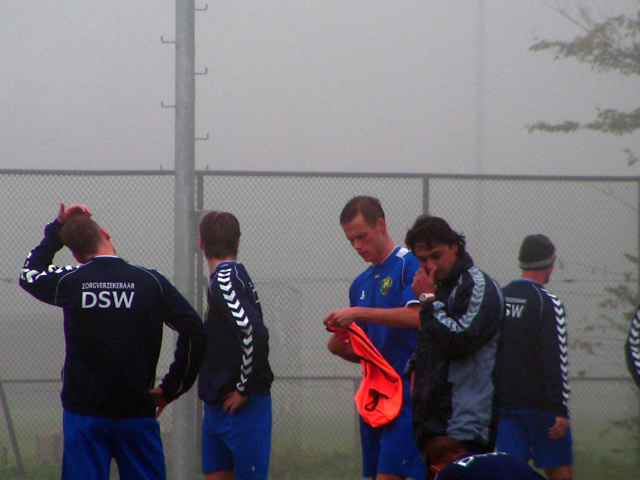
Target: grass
x,y
324,444
284,466
588,467
337,466
292,465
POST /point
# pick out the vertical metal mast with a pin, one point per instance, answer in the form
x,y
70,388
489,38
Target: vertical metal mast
x,y
479,107
478,206
184,229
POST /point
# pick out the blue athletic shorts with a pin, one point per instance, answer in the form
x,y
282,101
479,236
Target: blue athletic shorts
x,y
524,434
391,449
240,442
91,442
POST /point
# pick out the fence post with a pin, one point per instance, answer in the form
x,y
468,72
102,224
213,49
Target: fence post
x,y
638,295
356,436
12,432
201,286
638,243
425,194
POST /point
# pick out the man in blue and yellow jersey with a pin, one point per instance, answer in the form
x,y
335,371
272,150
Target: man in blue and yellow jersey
x,y
384,306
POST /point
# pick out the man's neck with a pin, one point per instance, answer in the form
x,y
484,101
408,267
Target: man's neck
x,y
214,262
103,251
388,247
538,276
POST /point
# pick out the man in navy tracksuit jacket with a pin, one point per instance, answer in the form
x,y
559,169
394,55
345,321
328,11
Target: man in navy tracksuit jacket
x,y
531,369
235,380
461,314
114,314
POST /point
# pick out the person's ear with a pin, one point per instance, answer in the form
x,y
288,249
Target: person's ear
x,y
201,243
105,235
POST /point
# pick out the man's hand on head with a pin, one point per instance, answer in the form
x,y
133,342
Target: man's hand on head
x,y
65,213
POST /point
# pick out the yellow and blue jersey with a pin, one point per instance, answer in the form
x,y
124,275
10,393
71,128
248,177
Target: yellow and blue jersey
x,y
388,285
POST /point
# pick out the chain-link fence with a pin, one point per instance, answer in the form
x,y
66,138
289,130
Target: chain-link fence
x,y
295,250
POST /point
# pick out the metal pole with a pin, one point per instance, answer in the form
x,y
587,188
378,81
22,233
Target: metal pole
x,y
638,247
479,130
201,283
356,416
638,295
201,288
184,230
425,195
480,249
12,432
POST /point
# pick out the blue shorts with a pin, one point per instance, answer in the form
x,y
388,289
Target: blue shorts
x,y
391,449
240,442
91,442
524,434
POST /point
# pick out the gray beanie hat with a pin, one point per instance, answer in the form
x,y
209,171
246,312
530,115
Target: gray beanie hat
x,y
536,252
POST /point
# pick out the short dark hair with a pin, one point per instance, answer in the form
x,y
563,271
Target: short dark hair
x,y
442,451
432,231
219,232
81,235
369,207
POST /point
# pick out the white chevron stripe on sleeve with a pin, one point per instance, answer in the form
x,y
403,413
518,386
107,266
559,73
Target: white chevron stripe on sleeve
x,y
235,305
242,323
561,328
225,283
248,350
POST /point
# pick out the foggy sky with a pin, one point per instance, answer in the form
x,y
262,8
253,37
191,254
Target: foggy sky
x,y
384,86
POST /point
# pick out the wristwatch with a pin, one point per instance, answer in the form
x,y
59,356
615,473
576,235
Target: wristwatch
x,y
426,297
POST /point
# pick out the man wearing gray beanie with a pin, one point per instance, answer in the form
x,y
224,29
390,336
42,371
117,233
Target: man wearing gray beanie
x,y
532,390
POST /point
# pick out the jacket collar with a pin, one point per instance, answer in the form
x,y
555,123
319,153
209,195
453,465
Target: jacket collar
x,y
463,264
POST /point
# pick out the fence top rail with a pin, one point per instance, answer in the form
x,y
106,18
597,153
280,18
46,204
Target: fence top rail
x,y
249,173
105,173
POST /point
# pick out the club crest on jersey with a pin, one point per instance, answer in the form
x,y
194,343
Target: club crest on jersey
x,y
385,286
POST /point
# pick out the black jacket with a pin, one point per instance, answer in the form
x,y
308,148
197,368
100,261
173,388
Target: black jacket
x,y
114,314
238,339
531,369
455,356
